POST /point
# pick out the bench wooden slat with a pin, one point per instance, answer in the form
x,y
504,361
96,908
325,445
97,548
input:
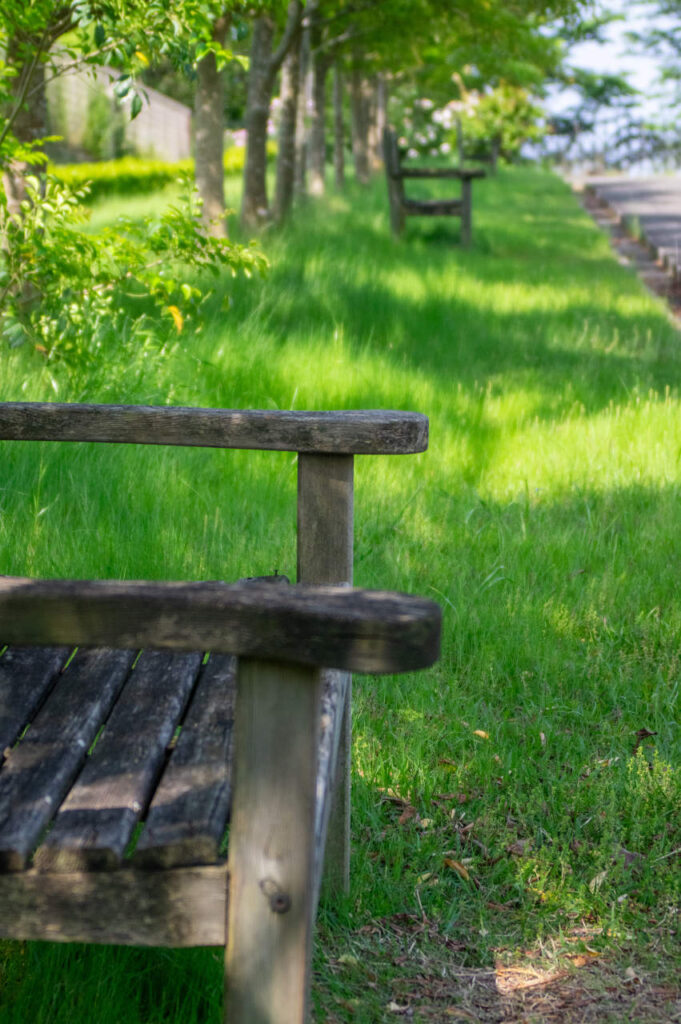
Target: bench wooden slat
x,y
359,630
96,821
39,771
433,207
188,814
463,174
351,431
185,907
26,675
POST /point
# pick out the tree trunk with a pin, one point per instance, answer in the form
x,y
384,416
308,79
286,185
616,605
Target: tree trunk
x,y
304,91
286,154
380,121
209,132
318,128
254,209
338,128
29,123
360,127
320,66
264,65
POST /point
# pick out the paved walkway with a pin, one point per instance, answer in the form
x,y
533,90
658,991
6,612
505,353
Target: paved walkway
x,y
655,202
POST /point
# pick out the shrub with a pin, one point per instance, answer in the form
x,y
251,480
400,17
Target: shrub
x,y
130,175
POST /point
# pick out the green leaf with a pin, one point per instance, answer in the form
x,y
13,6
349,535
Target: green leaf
x,y
136,106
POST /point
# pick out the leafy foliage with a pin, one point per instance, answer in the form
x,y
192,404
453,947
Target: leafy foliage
x,y
72,296
67,294
138,175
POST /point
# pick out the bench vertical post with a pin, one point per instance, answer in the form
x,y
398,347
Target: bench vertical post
x,y
466,211
391,159
271,859
325,555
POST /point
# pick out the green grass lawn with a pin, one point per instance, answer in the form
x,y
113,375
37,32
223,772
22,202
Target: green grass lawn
x,y
507,806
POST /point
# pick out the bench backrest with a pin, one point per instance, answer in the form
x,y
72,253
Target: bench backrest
x,y
326,443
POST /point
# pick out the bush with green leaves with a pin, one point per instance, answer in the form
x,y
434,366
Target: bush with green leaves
x,y
74,296
130,174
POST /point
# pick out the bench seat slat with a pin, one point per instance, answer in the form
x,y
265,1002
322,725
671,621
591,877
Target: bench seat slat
x,y
187,907
433,207
96,821
188,815
439,172
39,771
26,675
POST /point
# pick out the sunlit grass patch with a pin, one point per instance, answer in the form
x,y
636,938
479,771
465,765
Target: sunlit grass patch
x,y
544,519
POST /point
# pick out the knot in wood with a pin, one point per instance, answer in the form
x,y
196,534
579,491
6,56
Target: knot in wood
x,y
279,900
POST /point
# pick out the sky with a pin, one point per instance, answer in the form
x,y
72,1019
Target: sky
x,y
615,56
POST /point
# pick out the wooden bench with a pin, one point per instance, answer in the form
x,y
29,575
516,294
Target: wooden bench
x,y
401,206
118,784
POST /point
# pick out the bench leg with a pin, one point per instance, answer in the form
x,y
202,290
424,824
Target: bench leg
x,y
466,213
271,847
337,858
325,539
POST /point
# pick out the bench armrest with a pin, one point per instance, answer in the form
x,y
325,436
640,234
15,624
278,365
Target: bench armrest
x,y
346,432
334,627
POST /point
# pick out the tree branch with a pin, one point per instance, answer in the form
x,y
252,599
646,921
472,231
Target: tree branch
x,y
293,22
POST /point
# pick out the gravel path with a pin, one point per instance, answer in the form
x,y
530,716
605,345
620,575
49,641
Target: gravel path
x,y
655,202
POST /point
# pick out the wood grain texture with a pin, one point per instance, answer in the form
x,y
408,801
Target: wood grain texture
x,y
332,814
96,821
39,771
186,907
188,814
271,855
351,431
357,630
26,677
325,555
325,519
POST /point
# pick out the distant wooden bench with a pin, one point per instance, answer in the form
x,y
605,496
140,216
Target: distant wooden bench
x,y
401,206
117,776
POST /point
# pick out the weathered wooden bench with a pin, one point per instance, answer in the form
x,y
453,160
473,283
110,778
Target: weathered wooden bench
x,y
401,206
118,784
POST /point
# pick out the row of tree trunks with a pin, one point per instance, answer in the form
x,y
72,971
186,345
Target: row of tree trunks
x,y
305,59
